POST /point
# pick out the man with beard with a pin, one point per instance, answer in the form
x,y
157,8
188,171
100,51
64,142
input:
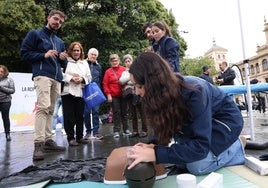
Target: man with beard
x,y
46,53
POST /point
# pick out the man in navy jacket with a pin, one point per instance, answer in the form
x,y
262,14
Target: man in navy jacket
x,y
46,52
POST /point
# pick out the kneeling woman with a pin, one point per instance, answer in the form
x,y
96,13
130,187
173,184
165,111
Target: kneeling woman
x,y
196,125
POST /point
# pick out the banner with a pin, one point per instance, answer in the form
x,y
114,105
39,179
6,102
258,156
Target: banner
x,y
23,104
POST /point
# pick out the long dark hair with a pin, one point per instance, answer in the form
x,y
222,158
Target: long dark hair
x,y
163,102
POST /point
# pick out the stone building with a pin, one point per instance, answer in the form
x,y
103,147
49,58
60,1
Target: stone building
x,y
217,54
258,64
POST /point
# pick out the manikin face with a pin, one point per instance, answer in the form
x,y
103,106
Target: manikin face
x,y
54,22
139,89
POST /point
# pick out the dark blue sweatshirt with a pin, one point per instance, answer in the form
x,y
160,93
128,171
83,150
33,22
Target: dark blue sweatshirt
x,y
216,124
33,49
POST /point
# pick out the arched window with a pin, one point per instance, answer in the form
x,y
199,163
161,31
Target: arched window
x,y
257,68
264,65
252,70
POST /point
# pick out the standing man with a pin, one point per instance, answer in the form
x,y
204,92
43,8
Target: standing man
x,y
46,52
205,75
92,127
226,76
147,30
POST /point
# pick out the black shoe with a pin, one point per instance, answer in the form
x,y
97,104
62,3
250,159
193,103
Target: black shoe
x,y
82,141
8,137
73,143
52,145
38,153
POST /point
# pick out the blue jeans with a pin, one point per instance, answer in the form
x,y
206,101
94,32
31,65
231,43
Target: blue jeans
x,y
234,155
55,113
4,108
95,120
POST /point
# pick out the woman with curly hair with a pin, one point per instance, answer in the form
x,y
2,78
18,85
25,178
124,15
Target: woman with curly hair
x,y
196,125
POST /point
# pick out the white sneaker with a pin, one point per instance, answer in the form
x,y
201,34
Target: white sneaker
x,y
127,133
63,132
53,131
116,135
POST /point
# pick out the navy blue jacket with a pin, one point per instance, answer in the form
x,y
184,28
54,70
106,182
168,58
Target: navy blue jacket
x,y
216,124
206,77
96,72
169,49
33,49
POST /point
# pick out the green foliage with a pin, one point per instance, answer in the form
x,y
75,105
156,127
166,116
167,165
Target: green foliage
x,y
16,18
111,26
194,66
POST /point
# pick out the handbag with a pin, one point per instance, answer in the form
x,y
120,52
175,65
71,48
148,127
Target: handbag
x,y
92,95
127,93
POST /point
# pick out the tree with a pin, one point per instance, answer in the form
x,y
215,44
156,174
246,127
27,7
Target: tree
x,y
17,17
194,66
111,26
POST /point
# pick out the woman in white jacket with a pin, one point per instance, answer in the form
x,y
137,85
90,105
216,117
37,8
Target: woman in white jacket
x,y
76,76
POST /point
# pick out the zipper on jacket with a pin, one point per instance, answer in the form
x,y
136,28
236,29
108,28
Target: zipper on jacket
x,y
225,125
55,62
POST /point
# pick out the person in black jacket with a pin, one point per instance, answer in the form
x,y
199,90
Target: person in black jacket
x,y
226,76
205,75
46,53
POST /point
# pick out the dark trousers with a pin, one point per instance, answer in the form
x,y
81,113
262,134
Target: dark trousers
x,y
4,108
73,115
119,108
136,110
94,125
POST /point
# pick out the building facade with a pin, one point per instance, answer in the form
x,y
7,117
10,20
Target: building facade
x,y
258,64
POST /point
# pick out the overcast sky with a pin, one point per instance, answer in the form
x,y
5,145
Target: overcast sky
x,y
219,19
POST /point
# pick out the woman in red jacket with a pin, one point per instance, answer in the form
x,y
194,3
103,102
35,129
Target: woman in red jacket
x,y
112,88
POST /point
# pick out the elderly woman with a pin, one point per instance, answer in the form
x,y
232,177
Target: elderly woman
x,y
113,90
7,88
